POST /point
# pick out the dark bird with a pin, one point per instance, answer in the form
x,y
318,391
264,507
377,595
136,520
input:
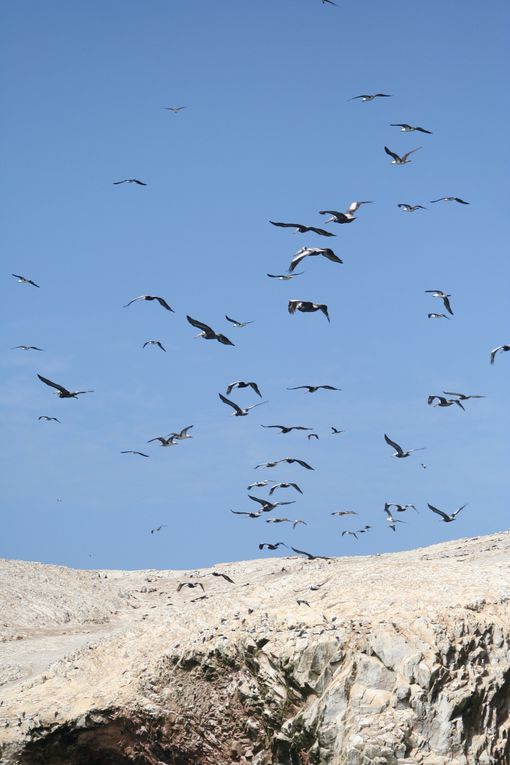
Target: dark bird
x,y
174,109
411,208
160,300
268,506
400,508
250,515
341,513
289,460
449,199
338,217
403,160
329,2
312,435
158,528
350,533
286,428
462,396
270,546
24,280
283,485
154,342
207,333
182,434
190,584
389,517
302,229
223,576
239,411
309,555
336,431
444,297
405,128
27,348
48,419
446,518
238,323
61,391
399,452
502,348
131,451
305,306
314,388
168,441
130,180
305,252
242,384
437,316
300,601
295,522
443,402
366,97
285,277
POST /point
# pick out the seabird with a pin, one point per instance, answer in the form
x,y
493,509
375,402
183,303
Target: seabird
x,y
350,533
207,333
411,208
182,433
270,546
309,555
399,508
444,297
160,300
61,391
338,217
27,348
48,419
154,342
24,280
190,584
283,485
258,485
341,513
405,128
449,199
130,180
305,252
295,522
314,388
462,396
336,431
288,460
285,277
174,109
442,401
446,518
502,348
242,384
268,506
250,515
286,428
239,411
391,520
397,160
169,441
437,316
131,451
223,576
399,452
238,323
301,229
305,306
158,528
312,435
371,97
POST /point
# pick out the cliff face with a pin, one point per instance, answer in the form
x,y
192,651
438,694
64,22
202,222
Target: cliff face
x,y
392,659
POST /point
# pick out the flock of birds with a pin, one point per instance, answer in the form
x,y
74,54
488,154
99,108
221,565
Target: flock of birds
x,y
267,505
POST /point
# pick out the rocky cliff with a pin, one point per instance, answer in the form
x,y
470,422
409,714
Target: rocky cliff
x,y
392,659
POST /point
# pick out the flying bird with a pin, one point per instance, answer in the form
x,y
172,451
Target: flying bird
x,y
295,522
190,584
238,323
400,508
305,252
285,277
258,485
446,518
329,2
443,402
160,300
405,128
270,546
61,391
27,348
371,97
174,109
131,451
350,533
336,431
444,297
301,229
24,280
48,419
239,411
283,485
182,433
341,513
338,217
411,208
242,384
207,333
288,460
314,388
158,528
437,316
502,348
312,435
250,515
310,556
462,396
223,576
168,441
286,428
130,180
449,199
399,452
403,160
389,517
305,306
268,506
154,342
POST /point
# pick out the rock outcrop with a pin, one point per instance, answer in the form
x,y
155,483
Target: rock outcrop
x,y
383,660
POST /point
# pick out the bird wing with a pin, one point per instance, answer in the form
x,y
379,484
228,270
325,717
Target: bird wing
x,y
303,552
282,427
262,502
230,403
494,351
255,387
285,225
140,297
52,384
296,487
319,231
232,321
297,258
422,130
158,438
436,510
223,340
164,304
199,324
406,155
324,309
301,462
394,444
399,124
293,304
331,212
116,183
252,406
391,153
185,430
239,512
455,514
330,255
328,387
224,576
447,305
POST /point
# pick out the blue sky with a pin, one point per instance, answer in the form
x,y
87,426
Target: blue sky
x,y
269,133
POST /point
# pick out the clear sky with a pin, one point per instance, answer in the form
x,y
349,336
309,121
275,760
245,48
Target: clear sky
x,y
269,133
